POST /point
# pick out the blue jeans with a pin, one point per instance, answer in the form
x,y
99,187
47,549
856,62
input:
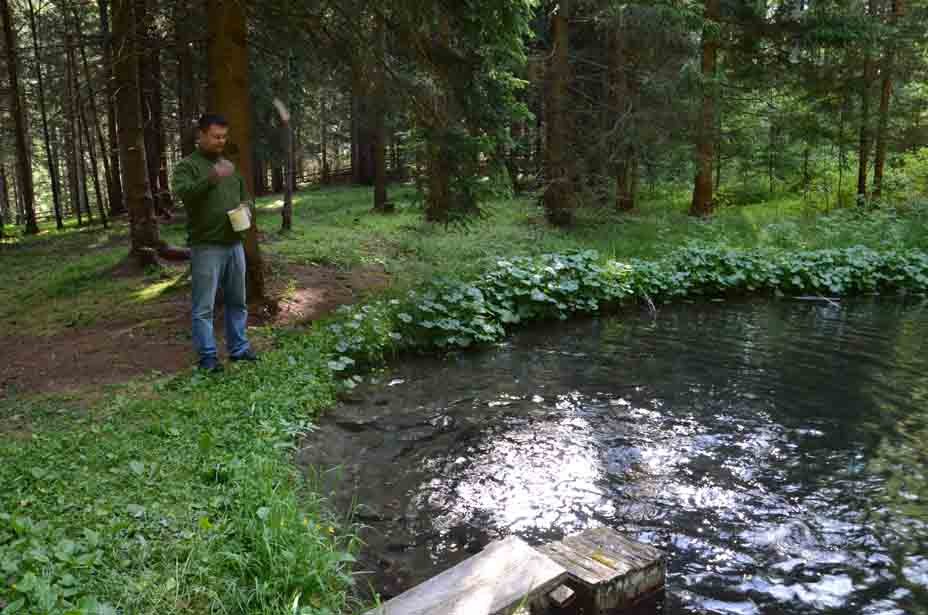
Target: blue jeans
x,y
212,266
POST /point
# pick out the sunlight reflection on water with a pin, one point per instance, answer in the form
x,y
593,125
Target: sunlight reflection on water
x,y
748,441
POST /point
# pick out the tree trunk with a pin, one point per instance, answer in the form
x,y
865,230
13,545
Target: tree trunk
x,y
23,149
379,129
362,134
71,147
841,152
771,157
513,156
94,116
866,135
95,174
186,84
298,162
439,164
558,197
439,182
886,93
82,171
627,180
324,141
80,142
114,187
703,202
718,151
286,214
142,222
150,76
4,200
259,180
21,216
618,92
229,95
52,172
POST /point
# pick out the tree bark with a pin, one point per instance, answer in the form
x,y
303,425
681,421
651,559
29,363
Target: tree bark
x,y
52,172
286,214
229,95
94,169
4,200
21,216
150,75
703,202
439,196
379,131
362,135
619,102
324,141
718,151
81,143
558,197
114,186
886,93
71,139
142,222
94,116
19,121
866,135
186,84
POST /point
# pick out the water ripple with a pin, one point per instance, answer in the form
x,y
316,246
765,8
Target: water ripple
x,y
775,450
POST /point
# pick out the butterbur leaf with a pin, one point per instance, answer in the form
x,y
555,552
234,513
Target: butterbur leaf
x,y
92,538
14,607
206,442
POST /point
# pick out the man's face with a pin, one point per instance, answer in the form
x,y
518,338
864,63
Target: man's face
x,y
213,139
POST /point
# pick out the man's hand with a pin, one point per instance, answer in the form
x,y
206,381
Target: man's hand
x,y
220,171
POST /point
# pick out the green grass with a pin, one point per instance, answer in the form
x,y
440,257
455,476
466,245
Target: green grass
x,y
171,497
178,495
337,227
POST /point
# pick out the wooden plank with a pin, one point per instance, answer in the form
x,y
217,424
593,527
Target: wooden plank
x,y
607,570
589,572
497,580
562,597
600,555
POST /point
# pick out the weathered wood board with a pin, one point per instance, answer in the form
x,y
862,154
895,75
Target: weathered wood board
x,y
495,581
608,570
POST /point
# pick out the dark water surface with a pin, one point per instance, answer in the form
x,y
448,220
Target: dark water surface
x,y
776,450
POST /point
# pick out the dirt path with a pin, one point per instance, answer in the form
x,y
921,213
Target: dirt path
x,y
158,340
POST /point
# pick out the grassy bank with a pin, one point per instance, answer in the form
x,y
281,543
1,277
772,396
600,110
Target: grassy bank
x,y
176,494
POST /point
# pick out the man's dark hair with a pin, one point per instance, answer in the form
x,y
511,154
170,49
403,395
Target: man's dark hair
x,y
211,119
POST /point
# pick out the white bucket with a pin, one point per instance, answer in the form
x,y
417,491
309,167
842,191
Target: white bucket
x,y
240,218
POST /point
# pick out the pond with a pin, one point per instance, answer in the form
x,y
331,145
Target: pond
x,y
776,450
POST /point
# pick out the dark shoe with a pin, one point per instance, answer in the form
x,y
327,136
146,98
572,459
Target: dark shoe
x,y
248,355
210,364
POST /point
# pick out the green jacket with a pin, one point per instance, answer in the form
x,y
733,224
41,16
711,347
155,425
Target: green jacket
x,y
206,203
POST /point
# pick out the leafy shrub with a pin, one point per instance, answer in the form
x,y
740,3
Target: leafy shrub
x,y
553,286
459,314
714,271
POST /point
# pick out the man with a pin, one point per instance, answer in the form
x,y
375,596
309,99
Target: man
x,y
209,186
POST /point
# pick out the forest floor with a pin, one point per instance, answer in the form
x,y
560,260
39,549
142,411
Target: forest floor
x,y
76,319
81,337
154,338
